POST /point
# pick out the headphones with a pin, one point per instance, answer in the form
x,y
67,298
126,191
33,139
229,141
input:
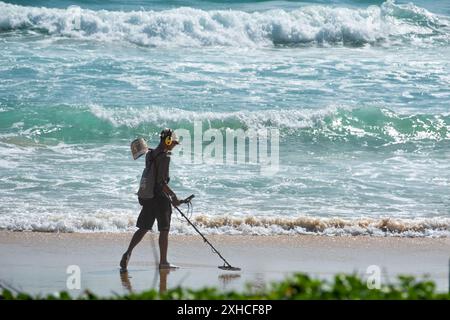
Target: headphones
x,y
166,135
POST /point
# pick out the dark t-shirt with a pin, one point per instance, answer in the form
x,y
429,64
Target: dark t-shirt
x,y
161,162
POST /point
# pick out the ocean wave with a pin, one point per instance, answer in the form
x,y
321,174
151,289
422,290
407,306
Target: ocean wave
x,y
419,227
229,225
368,126
189,27
334,124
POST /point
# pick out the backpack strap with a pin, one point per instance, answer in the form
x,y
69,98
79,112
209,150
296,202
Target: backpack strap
x,y
156,169
151,158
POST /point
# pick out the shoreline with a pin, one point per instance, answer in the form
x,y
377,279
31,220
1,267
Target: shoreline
x,y
37,262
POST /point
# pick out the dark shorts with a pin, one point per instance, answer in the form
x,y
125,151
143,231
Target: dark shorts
x,y
158,208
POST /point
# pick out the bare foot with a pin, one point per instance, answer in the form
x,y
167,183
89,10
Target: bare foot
x,y
167,266
124,262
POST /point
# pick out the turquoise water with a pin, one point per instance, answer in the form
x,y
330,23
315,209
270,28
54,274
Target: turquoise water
x,y
359,91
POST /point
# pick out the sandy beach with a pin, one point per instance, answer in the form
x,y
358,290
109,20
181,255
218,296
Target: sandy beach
x,y
38,262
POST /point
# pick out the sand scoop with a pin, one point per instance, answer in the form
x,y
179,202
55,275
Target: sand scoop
x,y
226,266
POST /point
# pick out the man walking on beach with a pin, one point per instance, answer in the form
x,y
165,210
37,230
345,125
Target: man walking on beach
x,y
159,206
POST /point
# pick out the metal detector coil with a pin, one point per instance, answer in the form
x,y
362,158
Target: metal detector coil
x,y
229,268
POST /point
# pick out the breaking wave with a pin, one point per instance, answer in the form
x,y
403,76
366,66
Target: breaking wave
x,y
367,126
118,222
418,227
189,27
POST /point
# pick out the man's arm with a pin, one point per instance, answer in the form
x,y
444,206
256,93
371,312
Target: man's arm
x,y
166,189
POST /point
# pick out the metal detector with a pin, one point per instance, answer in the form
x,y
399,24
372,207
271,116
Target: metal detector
x,y
226,266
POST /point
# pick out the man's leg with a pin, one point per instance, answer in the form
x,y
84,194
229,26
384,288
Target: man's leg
x,y
163,227
163,244
137,237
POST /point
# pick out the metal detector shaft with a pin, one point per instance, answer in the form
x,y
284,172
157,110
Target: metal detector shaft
x,y
204,238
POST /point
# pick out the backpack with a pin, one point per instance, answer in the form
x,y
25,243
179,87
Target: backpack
x,y
148,178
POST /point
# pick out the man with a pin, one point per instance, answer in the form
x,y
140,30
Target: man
x,y
159,207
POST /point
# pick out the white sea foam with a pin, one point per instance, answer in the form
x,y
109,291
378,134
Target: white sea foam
x,y
111,221
195,27
8,164
132,117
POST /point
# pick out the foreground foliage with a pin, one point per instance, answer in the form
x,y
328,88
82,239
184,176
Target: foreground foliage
x,y
299,286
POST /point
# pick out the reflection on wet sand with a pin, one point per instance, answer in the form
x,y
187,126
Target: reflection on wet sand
x,y
126,283
163,273
125,279
227,278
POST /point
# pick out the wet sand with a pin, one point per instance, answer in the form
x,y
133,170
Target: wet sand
x,y
37,262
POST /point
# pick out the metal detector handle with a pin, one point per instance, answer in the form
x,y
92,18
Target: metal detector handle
x,y
188,199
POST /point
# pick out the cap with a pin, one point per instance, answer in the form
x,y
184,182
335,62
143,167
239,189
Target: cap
x,y
175,138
